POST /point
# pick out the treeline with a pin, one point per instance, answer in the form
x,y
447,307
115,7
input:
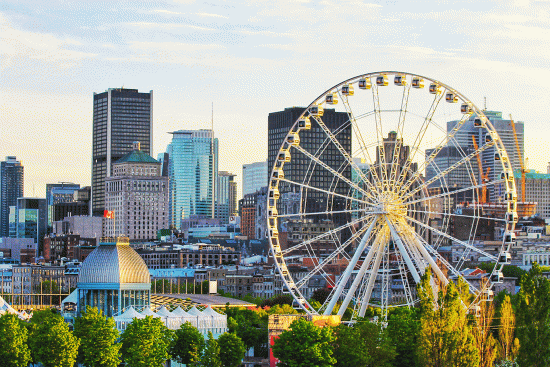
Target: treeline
x,y
95,342
439,332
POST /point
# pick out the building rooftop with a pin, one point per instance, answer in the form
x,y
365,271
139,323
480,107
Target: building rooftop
x,y
532,174
137,156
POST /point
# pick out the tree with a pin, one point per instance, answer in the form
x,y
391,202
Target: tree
x,y
508,343
51,342
211,356
403,329
14,351
346,348
445,338
146,342
485,341
98,335
231,350
188,344
320,295
305,345
533,319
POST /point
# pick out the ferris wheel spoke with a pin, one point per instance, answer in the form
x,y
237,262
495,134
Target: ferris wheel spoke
x,y
458,215
453,239
373,274
420,136
349,269
403,252
435,153
340,148
450,169
448,266
328,212
334,172
329,258
325,191
381,156
400,129
321,236
448,193
405,281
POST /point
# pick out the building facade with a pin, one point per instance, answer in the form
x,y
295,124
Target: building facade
x,y
137,194
537,189
254,177
59,193
226,197
29,219
193,171
121,116
11,188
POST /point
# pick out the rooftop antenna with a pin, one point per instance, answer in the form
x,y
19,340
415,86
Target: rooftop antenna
x,y
484,103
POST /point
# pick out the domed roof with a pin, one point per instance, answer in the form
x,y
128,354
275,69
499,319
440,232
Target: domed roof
x,y
114,263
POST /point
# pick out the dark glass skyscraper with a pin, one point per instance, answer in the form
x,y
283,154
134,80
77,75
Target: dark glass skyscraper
x,y
11,188
121,117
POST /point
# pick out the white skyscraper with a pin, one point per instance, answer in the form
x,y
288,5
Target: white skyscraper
x,y
254,177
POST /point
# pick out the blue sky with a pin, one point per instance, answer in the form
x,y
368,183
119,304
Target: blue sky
x,y
249,59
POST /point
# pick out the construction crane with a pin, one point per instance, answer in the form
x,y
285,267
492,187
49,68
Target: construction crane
x,y
484,176
520,159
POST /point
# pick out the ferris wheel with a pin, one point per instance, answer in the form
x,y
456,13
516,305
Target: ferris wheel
x,y
381,177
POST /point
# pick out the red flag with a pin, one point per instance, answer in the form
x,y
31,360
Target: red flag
x,y
109,214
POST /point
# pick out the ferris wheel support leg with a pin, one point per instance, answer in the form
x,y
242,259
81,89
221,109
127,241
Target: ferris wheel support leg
x,y
372,279
432,263
358,279
344,279
403,251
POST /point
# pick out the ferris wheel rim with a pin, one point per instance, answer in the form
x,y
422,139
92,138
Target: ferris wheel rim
x,y
294,287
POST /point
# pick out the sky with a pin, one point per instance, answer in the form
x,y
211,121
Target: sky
x,y
250,58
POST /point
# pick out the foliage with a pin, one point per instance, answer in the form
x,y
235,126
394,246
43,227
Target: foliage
x,y
231,350
98,336
485,341
508,343
50,340
533,319
305,345
188,344
14,351
281,299
507,270
211,356
445,338
403,329
250,325
320,295
364,344
145,342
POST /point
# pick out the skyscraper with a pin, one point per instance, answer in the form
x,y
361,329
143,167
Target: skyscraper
x,y
254,177
11,188
193,171
121,116
226,196
29,219
59,193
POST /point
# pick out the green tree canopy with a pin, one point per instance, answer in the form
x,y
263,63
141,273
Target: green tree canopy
x,y
188,344
98,336
211,356
533,319
50,340
146,342
14,351
231,350
403,329
305,345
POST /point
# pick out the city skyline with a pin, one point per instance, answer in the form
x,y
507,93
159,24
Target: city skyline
x,y
265,56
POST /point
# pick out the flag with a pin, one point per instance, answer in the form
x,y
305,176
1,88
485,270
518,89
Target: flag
x,y
109,214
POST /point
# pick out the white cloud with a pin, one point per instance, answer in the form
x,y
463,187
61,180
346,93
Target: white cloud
x,y
173,46
211,15
167,26
163,11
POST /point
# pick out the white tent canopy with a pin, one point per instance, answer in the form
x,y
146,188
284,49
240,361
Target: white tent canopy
x,y
6,308
126,318
148,312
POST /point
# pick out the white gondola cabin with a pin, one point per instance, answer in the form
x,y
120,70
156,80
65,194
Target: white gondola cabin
x,y
278,174
304,124
434,88
364,83
272,212
497,277
331,98
347,90
478,122
382,80
284,156
316,110
465,108
400,80
510,238
512,217
451,98
504,258
417,83
293,139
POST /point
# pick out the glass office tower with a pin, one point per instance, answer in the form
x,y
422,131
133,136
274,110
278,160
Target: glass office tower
x,y
121,116
193,171
11,188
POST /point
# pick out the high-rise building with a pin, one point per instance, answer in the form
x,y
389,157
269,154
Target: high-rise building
x,y
537,189
226,196
29,219
11,188
57,194
137,194
462,145
193,171
254,177
121,116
